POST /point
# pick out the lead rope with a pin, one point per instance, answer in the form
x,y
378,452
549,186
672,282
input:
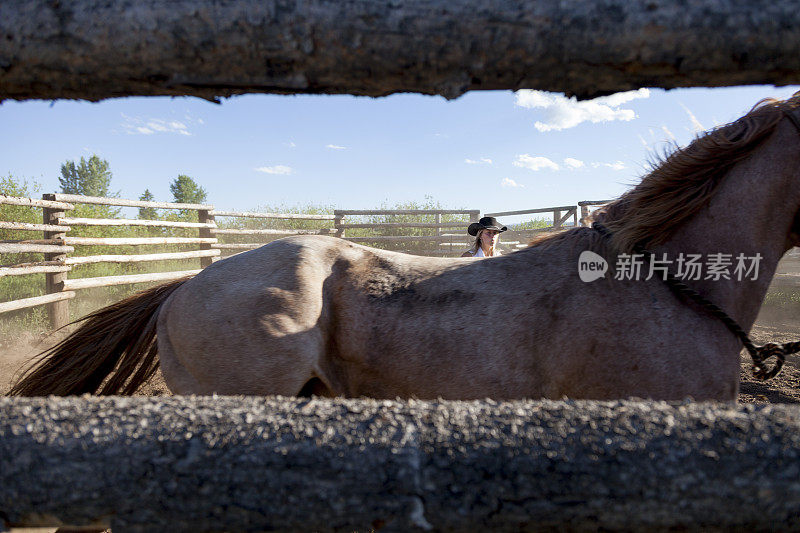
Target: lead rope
x,y
759,354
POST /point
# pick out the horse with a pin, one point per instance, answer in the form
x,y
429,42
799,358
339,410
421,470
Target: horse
x,y
318,315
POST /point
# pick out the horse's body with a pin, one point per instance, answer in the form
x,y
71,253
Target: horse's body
x,y
321,315
383,324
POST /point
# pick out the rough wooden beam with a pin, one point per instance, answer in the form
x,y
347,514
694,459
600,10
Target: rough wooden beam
x,y
100,200
96,49
136,241
15,305
280,464
108,281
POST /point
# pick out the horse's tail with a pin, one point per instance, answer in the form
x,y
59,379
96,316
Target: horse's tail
x,y
114,351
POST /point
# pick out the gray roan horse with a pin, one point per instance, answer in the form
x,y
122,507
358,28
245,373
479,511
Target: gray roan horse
x,y
319,315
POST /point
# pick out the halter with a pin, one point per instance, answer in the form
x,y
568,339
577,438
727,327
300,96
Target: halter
x,y
759,354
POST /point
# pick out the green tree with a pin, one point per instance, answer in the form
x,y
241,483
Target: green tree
x,y
148,212
11,186
186,191
90,177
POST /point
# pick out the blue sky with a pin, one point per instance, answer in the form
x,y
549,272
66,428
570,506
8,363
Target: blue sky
x,y
492,151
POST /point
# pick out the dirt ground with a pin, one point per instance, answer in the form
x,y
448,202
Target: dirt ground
x,y
784,388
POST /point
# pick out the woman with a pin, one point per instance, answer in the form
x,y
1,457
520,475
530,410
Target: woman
x,y
487,235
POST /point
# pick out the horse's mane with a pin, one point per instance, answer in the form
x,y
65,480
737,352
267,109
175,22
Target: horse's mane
x,y
683,181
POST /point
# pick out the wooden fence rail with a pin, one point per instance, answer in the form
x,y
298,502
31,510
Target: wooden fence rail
x,y
439,237
56,245
399,229
193,463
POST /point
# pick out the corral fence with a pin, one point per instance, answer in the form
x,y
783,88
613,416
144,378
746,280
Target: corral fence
x,y
431,232
200,241
519,238
57,245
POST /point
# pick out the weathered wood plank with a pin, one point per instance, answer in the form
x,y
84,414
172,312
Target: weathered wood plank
x,y
570,213
314,464
529,211
108,281
11,248
594,202
82,260
321,231
241,246
442,225
288,216
407,238
135,241
582,47
25,226
34,301
48,241
350,212
34,263
132,222
33,202
99,200
20,271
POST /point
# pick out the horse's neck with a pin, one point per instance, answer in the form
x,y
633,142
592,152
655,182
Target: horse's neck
x,y
751,213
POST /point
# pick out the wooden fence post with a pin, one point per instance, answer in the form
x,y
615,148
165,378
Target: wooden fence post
x,y
556,218
438,220
205,216
337,222
57,312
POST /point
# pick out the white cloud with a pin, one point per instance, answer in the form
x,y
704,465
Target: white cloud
x,y
150,126
482,160
277,169
695,123
617,99
669,133
335,147
508,182
561,112
573,163
535,163
616,165
290,144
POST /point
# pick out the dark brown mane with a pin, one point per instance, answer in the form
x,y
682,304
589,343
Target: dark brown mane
x,y
684,181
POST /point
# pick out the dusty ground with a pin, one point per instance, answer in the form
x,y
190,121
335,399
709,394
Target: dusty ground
x,y
16,352
784,388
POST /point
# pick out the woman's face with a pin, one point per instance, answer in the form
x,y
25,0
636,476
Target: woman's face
x,y
489,238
